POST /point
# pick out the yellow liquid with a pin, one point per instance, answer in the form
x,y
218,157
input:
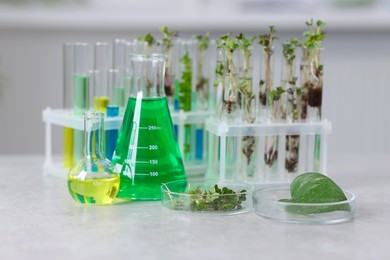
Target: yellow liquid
x,y
98,191
68,147
100,103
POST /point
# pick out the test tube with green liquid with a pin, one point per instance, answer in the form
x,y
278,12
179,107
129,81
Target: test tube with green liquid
x,y
115,92
81,92
100,84
67,101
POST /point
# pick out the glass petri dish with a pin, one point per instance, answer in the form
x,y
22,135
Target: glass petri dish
x,y
266,204
175,196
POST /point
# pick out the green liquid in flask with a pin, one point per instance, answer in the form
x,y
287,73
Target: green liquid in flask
x,y
158,158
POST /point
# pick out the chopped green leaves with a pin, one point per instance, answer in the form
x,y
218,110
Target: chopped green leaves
x,y
215,199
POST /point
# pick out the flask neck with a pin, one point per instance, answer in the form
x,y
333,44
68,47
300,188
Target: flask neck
x,y
146,73
94,135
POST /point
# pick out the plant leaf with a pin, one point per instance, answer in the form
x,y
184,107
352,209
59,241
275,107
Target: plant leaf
x,y
312,187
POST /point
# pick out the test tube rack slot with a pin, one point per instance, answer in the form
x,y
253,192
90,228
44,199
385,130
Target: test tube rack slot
x,y
223,134
65,118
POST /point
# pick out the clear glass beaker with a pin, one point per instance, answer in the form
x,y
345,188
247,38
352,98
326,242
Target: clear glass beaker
x,y
92,180
147,153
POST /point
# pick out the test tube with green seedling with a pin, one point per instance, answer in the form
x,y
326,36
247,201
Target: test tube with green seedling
x,y
202,68
227,74
269,101
167,48
247,104
81,91
185,80
312,70
290,107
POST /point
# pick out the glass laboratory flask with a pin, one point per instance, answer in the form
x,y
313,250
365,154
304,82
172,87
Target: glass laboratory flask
x,y
92,180
147,153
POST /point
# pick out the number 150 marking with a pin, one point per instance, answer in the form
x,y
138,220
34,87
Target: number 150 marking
x,y
153,161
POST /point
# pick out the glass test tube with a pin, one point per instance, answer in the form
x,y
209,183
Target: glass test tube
x,y
200,91
269,112
100,80
118,83
68,71
119,54
184,92
248,144
81,91
290,112
116,100
209,70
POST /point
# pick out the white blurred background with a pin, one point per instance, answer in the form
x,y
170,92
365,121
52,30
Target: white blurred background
x,y
357,56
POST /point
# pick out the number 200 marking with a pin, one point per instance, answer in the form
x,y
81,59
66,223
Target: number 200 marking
x,y
153,147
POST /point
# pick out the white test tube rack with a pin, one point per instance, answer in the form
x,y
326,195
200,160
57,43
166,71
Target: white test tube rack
x,y
64,118
219,132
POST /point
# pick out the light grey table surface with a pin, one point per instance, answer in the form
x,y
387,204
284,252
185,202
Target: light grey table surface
x,y
39,220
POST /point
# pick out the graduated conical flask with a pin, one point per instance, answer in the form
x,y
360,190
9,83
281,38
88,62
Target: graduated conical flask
x,y
147,153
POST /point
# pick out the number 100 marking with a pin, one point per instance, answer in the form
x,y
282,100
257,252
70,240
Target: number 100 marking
x,y
153,174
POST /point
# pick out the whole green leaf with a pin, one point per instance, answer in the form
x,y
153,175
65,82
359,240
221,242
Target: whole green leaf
x,y
312,187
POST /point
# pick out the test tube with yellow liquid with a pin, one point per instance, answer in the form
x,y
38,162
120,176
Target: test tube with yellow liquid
x,y
100,81
67,98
